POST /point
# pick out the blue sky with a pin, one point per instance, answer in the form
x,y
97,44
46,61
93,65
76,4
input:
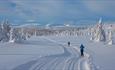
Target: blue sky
x,y
57,11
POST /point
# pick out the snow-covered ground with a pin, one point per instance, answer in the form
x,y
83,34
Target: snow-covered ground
x,y
52,53
14,54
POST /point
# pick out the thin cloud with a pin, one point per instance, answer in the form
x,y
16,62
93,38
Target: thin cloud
x,y
56,10
105,7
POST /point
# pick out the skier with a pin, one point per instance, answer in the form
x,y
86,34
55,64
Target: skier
x,y
68,43
82,50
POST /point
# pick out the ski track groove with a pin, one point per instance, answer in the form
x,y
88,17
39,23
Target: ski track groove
x,y
60,65
63,61
41,64
55,67
45,65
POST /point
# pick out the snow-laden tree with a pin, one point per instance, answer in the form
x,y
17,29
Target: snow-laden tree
x,y
98,33
10,34
16,35
92,33
27,35
5,31
110,38
1,34
23,35
12,37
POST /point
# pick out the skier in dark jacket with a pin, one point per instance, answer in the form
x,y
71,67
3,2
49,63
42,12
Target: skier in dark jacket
x,y
68,43
82,50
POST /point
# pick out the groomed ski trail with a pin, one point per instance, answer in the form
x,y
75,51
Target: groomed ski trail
x,y
69,60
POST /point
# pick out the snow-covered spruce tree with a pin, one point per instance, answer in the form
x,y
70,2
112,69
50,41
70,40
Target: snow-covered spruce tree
x,y
93,32
100,33
110,36
12,35
1,34
16,35
27,35
23,35
110,39
35,32
5,31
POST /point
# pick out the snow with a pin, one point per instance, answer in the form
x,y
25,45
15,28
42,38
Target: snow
x,y
52,53
101,53
14,54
